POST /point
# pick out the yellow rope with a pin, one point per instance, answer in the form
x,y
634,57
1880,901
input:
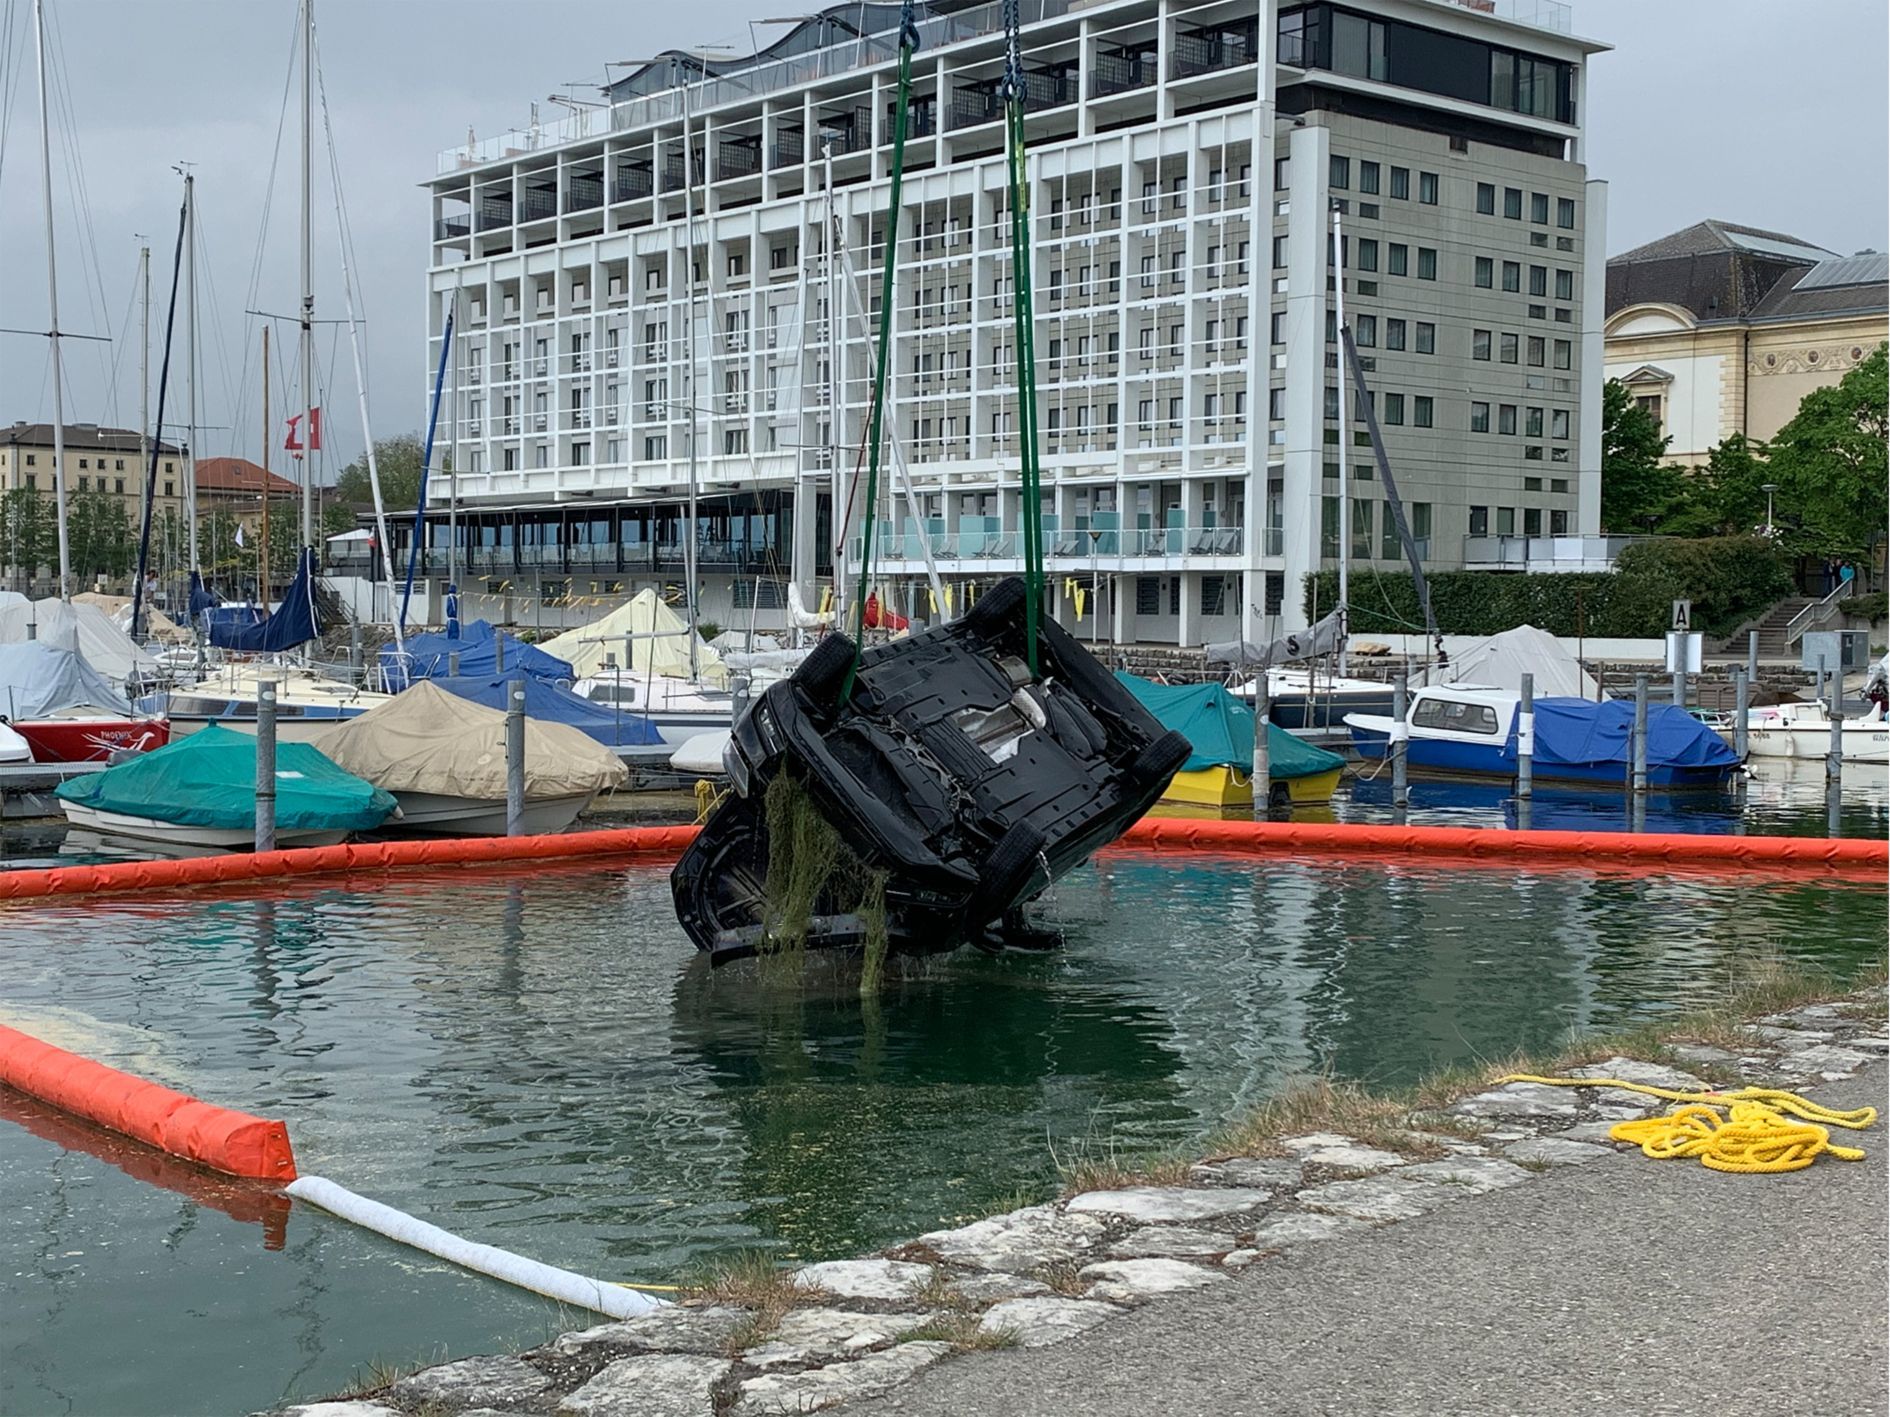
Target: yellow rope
x,y
1753,1137
707,799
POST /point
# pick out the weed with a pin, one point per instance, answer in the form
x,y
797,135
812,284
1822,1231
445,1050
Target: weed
x,y
962,1331
1062,1278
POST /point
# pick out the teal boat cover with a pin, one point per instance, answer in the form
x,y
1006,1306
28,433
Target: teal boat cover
x,y
1220,727
209,780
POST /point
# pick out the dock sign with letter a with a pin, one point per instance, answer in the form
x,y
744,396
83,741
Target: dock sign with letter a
x,y
1682,615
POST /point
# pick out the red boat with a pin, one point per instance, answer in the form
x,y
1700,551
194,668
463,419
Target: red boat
x,y
91,739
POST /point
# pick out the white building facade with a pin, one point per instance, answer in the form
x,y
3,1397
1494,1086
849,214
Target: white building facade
x,y
641,299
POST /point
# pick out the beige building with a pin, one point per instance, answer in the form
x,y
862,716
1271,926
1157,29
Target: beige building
x,y
1721,329
97,460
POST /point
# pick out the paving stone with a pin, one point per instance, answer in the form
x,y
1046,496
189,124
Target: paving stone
x,y
865,1279
1158,1203
1508,1133
650,1385
1313,1141
1461,1146
1591,1132
780,1394
1038,1323
1378,1198
674,1328
1519,1099
1353,1158
987,1288
1124,1281
1171,1242
1475,1174
1703,1053
1869,1043
1239,1259
1554,1151
1283,1232
471,1382
337,1409
1637,1106
1829,1061
1024,1239
808,1336
1262,1173
1790,1038
1649,1074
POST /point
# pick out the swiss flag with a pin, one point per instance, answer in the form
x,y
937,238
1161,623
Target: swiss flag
x,y
293,442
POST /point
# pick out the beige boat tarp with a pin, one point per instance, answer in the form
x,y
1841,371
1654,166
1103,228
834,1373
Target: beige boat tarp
x,y
659,643
427,740
157,624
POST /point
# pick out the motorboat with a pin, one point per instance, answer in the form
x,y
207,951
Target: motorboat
x,y
702,755
1803,730
306,702
1308,702
1220,729
914,795
678,708
66,711
1473,731
201,792
13,748
443,758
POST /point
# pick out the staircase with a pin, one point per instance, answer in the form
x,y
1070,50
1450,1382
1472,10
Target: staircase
x,y
1771,630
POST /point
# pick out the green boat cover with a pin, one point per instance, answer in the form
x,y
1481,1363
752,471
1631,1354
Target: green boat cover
x,y
209,780
1220,727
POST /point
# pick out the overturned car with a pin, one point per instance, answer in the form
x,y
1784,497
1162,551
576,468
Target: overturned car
x,y
929,804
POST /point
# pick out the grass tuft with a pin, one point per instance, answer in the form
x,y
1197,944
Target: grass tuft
x,y
752,1281
962,1332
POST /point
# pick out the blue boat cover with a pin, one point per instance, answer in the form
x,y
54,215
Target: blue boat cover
x,y
1220,729
291,623
1577,731
555,704
209,780
429,656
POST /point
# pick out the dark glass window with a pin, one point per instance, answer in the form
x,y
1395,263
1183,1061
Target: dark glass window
x,y
1396,256
1479,344
1367,254
1401,183
1565,212
1426,263
1394,408
1485,272
1427,188
1479,418
1506,418
1341,177
1426,337
1538,280
1512,276
1512,203
1368,177
1539,208
1564,285
1486,198
1480,516
1394,334
1422,411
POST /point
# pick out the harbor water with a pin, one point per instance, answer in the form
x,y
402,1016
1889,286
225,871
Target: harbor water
x,y
537,1060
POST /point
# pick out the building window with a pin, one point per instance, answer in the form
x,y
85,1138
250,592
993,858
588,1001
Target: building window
x,y
1649,404
1537,355
1213,595
1538,280
1426,263
1512,276
1426,337
85,484
1532,521
120,488
1563,351
1365,331
31,459
1332,401
1427,188
1486,198
167,489
1394,334
1422,411
1276,333
1368,178
1367,254
1479,344
1394,408
1558,423
1485,276
1479,521
1479,418
1507,350
118,465
1397,258
1505,521
1565,213
1532,423
1564,285
1401,183
1340,175
1558,522
1539,208
1148,595
1506,419
84,464
1512,203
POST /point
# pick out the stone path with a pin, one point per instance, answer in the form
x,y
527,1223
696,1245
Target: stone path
x,y
1046,1274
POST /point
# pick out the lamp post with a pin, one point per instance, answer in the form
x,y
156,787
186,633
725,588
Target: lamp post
x,y
1768,488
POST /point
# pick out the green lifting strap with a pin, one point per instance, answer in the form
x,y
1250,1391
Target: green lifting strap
x,y
1030,496
908,39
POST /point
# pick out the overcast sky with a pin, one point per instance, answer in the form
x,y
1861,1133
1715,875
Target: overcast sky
x,y
1704,108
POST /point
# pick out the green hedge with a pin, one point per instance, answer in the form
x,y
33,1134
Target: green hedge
x,y
1729,579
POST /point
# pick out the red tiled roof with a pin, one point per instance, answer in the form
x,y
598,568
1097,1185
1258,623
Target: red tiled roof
x,y
235,476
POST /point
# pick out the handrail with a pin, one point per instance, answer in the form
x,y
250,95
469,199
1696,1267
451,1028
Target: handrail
x,y
1817,612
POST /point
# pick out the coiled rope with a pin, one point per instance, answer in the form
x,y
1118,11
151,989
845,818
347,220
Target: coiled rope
x,y
1755,1136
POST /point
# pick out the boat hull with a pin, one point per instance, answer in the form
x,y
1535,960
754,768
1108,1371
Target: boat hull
x,y
91,740
437,814
1862,741
290,727
1227,786
181,834
1441,758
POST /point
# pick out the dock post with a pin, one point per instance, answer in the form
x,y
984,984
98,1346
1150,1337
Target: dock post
x,y
1400,735
1752,655
266,766
1639,740
515,758
1834,757
1742,695
354,650
1262,748
1526,740
1680,685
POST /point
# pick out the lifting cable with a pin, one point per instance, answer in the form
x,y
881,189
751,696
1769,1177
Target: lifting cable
x,y
908,41
1030,497
1754,1137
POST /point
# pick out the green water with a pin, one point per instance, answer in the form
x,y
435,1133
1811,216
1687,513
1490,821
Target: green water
x,y
538,1061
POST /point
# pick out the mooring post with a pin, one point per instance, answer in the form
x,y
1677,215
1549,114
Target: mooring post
x,y
515,759
266,766
1834,756
1680,684
1752,655
1400,735
1742,695
354,650
1639,745
1262,747
1526,739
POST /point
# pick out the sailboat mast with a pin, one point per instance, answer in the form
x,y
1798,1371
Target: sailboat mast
x,y
452,450
836,390
268,432
1345,437
190,360
144,371
308,287
52,300
689,270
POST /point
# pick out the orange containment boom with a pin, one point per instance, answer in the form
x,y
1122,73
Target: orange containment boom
x,y
234,1143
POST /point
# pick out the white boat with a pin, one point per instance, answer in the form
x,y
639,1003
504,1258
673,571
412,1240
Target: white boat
x,y
1304,701
306,702
179,836
1803,730
13,748
443,758
702,754
678,709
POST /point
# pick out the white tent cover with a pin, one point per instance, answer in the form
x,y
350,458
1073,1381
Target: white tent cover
x,y
157,624
427,740
1501,661
659,642
38,679
76,626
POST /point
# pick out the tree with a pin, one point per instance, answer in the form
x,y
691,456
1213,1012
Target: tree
x,y
28,535
1830,466
1726,497
99,537
399,462
1637,488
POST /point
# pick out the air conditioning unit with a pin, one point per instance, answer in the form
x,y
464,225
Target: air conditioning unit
x,y
610,359
474,428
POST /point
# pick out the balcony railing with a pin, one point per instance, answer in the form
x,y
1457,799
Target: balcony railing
x,y
446,228
1142,543
494,213
540,204
1544,553
737,159
633,183
1121,70
584,193
1202,51
790,148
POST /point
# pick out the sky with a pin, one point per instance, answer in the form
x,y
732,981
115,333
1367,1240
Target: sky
x,y
1701,109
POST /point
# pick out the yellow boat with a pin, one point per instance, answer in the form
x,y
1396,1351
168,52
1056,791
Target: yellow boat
x,y
1224,786
1220,729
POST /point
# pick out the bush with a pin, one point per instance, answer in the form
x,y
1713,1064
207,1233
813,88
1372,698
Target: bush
x,y
1729,579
